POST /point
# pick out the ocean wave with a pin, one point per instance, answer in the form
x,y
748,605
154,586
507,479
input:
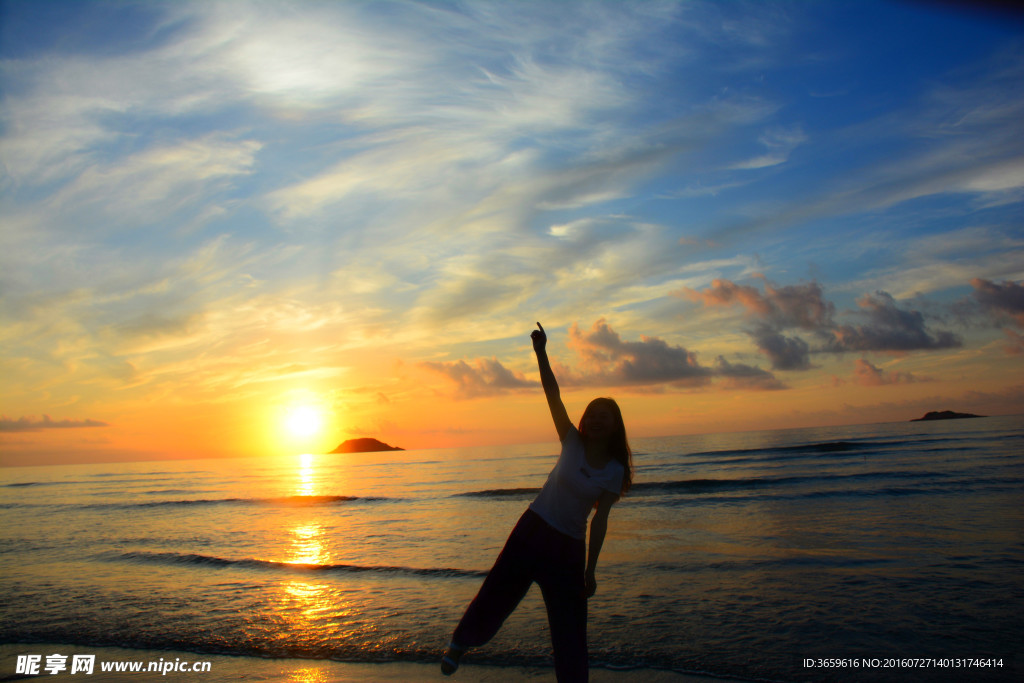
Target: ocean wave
x,y
808,560
804,449
740,483
211,561
173,473
501,493
280,501
28,484
711,485
924,487
850,447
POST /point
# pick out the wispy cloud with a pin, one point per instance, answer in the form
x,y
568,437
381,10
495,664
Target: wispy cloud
x,y
934,262
779,143
957,138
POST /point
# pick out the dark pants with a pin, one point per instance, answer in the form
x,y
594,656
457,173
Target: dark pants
x,y
535,551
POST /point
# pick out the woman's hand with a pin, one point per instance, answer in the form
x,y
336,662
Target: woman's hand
x,y
590,584
540,339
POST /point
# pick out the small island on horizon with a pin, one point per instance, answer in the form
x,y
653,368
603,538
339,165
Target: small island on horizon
x,y
365,445
944,415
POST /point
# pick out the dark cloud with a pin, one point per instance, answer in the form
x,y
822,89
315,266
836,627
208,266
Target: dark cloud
x,y
1004,300
742,376
997,305
802,306
28,424
611,361
776,310
785,353
486,377
606,359
889,328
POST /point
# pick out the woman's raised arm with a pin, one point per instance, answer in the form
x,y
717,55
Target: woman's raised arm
x,y
547,380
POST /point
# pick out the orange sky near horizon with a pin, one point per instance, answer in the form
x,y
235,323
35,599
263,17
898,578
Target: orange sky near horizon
x,y
430,417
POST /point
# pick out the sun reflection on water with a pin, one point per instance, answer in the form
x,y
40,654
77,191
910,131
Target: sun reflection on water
x,y
309,604
307,545
306,475
309,675
307,599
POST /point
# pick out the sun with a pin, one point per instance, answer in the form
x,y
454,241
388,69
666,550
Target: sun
x,y
304,422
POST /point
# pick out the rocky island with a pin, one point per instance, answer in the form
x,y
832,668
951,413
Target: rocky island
x,y
364,446
944,415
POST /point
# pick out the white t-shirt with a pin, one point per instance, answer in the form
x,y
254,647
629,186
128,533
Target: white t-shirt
x,y
573,487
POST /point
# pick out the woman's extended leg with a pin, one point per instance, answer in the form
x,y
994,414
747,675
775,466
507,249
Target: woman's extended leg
x,y
502,590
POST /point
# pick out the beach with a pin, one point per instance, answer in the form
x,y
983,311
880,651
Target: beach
x,y
225,669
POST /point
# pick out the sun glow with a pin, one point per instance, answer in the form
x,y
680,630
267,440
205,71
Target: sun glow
x,y
304,422
299,424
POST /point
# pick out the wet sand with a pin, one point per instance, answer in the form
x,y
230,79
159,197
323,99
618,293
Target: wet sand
x,y
225,669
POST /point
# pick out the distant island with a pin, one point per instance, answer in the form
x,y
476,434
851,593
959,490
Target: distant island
x,y
364,446
944,415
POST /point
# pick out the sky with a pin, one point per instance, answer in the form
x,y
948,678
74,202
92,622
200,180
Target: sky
x,y
255,228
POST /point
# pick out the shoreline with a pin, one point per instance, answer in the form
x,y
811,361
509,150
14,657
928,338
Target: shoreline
x,y
230,668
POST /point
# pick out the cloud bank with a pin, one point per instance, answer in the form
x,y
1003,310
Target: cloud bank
x,y
866,374
1004,301
607,360
1004,304
485,377
777,311
602,358
31,424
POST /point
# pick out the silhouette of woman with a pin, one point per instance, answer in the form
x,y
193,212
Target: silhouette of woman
x,y
547,544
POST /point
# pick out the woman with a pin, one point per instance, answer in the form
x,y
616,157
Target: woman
x,y
547,545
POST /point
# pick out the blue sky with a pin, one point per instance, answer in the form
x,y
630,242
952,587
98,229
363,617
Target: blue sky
x,y
214,206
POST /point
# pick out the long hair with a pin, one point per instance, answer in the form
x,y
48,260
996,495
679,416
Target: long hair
x,y
618,446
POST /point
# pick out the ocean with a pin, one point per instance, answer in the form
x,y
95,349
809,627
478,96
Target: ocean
x,y
875,552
